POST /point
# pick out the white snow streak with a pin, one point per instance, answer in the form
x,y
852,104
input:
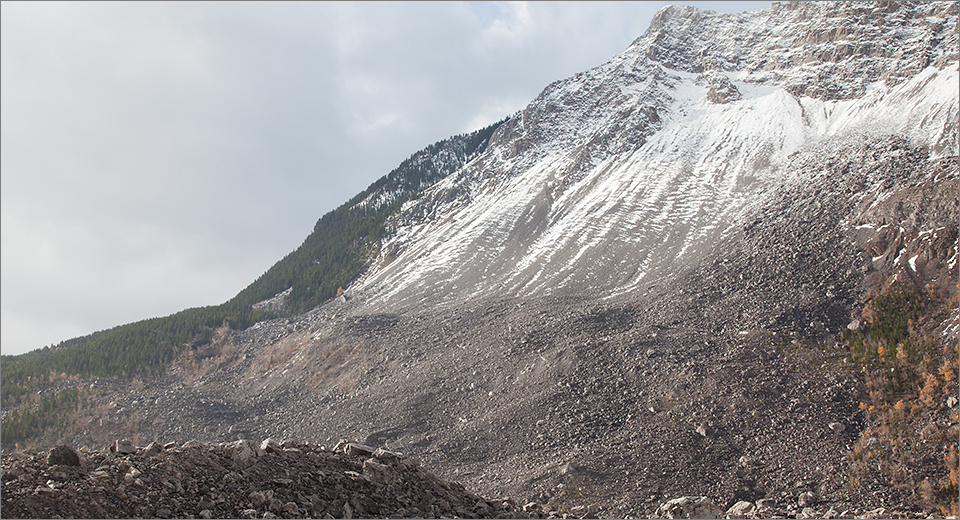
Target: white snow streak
x,y
635,214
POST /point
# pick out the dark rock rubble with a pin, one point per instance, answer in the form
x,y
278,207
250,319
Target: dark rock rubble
x,y
240,479
272,479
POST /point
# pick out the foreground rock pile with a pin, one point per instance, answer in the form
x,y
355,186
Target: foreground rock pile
x,y
243,479
240,479
288,480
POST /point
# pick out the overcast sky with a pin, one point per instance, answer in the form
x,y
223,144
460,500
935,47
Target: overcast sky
x,y
160,156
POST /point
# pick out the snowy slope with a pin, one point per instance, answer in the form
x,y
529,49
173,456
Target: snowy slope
x,y
630,173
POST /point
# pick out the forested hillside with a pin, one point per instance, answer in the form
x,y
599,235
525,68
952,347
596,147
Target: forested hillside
x,y
331,257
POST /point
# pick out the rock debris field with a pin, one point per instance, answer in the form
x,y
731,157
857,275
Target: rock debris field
x,y
290,480
241,479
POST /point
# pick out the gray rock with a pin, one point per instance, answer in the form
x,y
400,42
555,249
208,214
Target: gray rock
x,y
689,507
63,455
380,473
243,451
260,497
340,445
358,450
388,457
101,475
741,509
581,511
124,446
152,449
766,503
45,491
721,89
269,445
806,499
131,475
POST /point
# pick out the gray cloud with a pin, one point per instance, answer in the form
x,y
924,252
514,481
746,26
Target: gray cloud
x,y
159,156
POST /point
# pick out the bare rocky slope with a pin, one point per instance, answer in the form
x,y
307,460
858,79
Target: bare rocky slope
x,y
636,293
703,387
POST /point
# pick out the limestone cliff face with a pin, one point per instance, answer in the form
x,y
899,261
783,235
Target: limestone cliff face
x,y
827,50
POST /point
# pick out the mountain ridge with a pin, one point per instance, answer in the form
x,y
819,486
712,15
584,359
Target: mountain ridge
x,y
769,119
675,274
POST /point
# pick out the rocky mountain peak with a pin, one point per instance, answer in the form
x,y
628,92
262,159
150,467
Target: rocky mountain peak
x,y
656,155
825,50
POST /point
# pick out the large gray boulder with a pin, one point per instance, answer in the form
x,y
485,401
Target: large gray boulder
x,y
741,509
243,451
125,446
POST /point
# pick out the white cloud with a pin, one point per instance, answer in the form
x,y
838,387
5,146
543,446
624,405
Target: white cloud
x,y
513,23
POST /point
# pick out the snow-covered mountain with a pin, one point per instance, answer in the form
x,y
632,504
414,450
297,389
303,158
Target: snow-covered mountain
x,y
650,283
630,173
